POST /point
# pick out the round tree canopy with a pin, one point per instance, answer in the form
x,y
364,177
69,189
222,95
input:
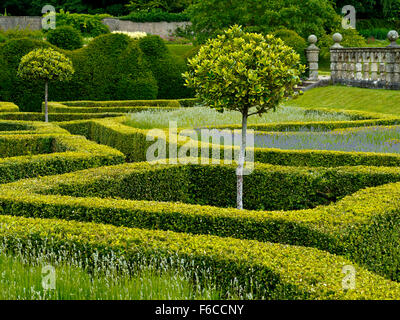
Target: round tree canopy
x,y
239,71
45,64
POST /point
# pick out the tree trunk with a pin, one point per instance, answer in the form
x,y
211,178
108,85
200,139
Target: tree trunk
x,y
240,167
46,109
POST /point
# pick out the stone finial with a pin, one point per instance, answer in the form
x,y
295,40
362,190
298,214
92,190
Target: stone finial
x,y
312,39
337,38
393,36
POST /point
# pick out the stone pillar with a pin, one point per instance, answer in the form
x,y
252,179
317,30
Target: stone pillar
x,y
313,58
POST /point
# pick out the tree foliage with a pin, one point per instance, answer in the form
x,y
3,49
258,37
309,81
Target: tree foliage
x,y
45,65
239,70
245,72
209,17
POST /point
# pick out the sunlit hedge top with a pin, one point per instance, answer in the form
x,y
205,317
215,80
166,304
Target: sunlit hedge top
x,y
45,64
239,70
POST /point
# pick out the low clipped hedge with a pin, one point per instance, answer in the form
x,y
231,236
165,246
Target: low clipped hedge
x,y
30,155
55,117
25,127
55,107
8,107
363,226
133,143
270,271
124,103
268,187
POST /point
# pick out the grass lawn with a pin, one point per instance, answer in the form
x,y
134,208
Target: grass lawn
x,y
179,49
341,97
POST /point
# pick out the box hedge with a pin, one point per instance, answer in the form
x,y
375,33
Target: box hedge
x,y
266,270
30,154
8,107
133,143
363,226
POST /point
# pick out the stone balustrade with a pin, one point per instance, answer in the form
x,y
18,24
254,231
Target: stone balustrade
x,y
366,67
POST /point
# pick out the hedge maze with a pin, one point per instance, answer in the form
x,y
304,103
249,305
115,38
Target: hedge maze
x,y
84,187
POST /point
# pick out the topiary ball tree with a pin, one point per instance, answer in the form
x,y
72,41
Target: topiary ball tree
x,y
244,72
45,65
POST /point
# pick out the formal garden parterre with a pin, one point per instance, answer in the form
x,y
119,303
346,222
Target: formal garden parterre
x,y
330,208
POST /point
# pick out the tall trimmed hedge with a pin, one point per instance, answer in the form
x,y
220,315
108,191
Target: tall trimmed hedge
x,y
167,69
111,67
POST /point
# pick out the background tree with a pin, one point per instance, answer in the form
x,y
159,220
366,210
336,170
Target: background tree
x,y
244,72
45,65
211,17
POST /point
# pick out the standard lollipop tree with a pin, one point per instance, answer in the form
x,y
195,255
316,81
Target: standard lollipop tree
x,y
245,72
46,65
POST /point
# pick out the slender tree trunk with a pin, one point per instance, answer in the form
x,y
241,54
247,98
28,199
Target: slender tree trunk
x,y
240,167
46,109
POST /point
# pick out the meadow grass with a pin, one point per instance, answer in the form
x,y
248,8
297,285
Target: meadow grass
x,y
21,279
201,116
341,97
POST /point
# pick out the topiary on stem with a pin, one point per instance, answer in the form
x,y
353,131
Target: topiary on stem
x,y
245,72
45,65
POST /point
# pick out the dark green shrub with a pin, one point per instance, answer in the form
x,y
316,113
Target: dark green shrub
x,y
88,25
377,33
65,37
292,39
155,16
167,69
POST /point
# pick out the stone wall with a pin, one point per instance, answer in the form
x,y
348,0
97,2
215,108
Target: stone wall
x,y
33,23
162,29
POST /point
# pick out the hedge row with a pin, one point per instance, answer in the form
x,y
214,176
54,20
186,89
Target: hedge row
x,y
363,226
270,271
24,127
56,117
131,103
63,153
268,187
133,143
55,107
22,145
111,67
8,107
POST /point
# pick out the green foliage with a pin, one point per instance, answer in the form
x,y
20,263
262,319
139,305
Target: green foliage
x,y
351,38
158,5
377,33
239,70
88,25
166,69
65,37
210,17
341,228
313,274
292,39
8,107
31,149
18,33
45,65
111,67
155,16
